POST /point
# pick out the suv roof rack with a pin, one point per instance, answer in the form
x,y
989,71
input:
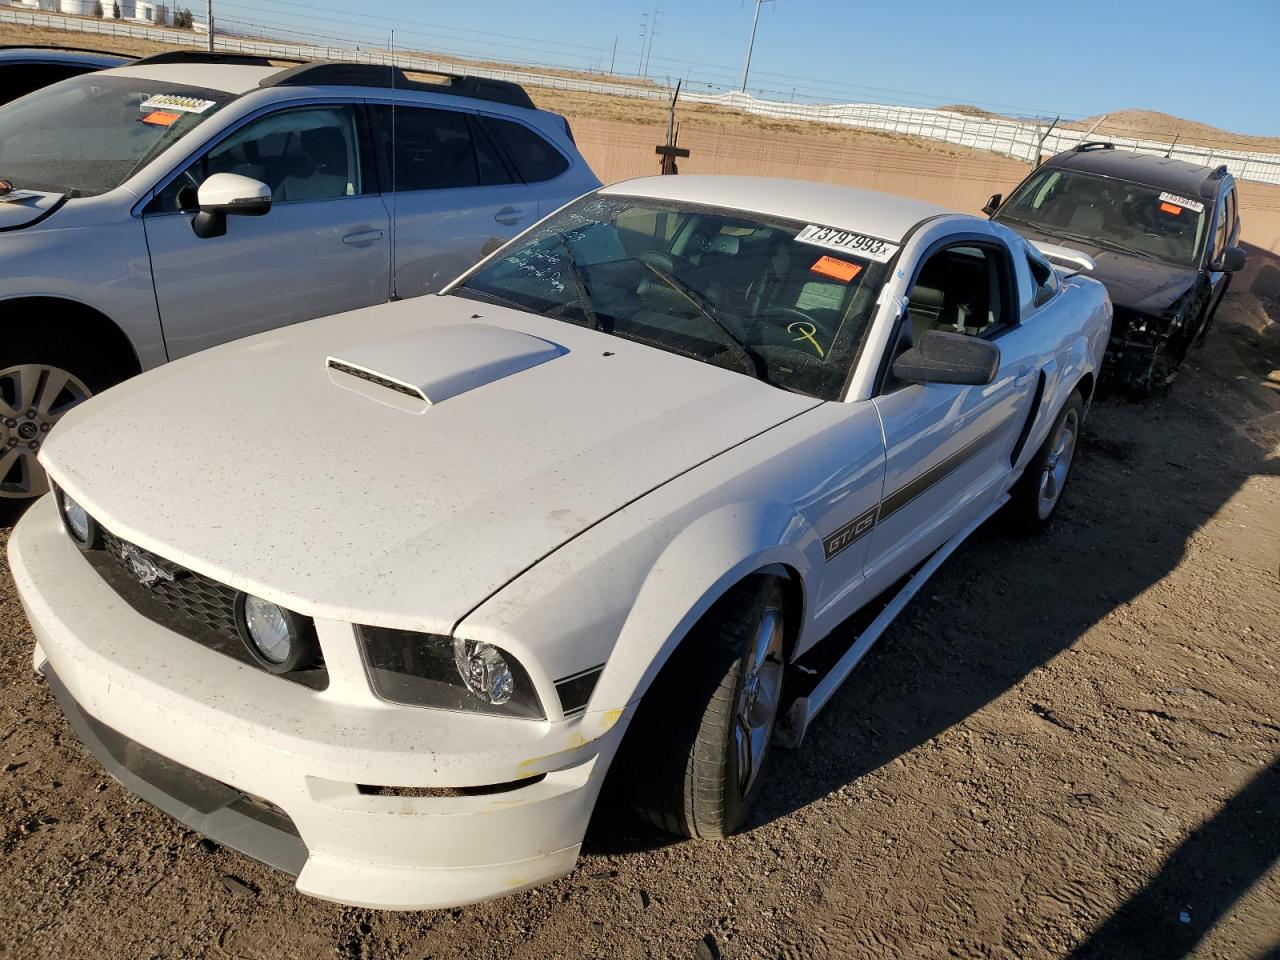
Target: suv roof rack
x,y
1218,172
389,77
206,56
1094,145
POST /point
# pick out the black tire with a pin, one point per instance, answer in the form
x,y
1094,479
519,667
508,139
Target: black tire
x,y
90,374
1026,511
680,764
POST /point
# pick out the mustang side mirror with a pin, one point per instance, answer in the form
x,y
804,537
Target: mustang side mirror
x,y
942,357
993,204
1232,259
228,193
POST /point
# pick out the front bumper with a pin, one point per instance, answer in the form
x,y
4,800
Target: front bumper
x,y
272,768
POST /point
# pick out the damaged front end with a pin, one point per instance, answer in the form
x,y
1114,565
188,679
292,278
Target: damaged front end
x,y
1147,347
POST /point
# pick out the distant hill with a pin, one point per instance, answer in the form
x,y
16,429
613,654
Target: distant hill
x,y
1155,125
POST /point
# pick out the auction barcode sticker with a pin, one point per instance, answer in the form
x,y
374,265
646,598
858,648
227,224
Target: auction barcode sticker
x,y
881,251
171,101
1183,202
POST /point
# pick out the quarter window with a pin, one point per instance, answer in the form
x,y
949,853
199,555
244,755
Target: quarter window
x,y
535,159
1045,279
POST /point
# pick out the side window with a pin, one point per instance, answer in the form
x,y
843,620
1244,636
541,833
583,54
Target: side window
x,y
1221,230
1045,279
437,150
310,153
960,289
536,160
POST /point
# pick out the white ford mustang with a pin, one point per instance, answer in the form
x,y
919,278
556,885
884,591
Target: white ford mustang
x,y
375,598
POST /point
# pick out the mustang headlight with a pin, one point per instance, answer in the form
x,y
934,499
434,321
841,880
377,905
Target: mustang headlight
x,y
428,670
82,528
278,639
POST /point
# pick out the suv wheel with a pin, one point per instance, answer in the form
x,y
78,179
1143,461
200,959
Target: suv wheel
x,y
40,380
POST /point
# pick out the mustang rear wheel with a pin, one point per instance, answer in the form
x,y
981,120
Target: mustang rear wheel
x,y
700,740
1037,492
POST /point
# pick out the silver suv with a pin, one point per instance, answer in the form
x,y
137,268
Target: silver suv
x,y
153,210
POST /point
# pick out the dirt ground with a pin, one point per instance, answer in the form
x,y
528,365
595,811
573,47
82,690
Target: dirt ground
x,y
1065,747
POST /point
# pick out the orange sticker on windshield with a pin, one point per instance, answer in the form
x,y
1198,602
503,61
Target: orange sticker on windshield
x,y
1171,208
160,118
841,270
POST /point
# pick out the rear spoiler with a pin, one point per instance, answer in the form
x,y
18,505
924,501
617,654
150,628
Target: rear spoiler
x,y
1069,262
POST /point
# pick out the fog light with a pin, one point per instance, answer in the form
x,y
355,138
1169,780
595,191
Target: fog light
x,y
79,525
276,638
484,670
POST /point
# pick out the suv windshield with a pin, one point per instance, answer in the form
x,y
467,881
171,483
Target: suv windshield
x,y
1115,214
734,289
86,135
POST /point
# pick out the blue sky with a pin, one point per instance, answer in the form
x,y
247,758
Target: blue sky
x,y
1208,60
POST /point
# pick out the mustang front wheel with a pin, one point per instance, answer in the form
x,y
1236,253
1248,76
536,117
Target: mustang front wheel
x,y
701,737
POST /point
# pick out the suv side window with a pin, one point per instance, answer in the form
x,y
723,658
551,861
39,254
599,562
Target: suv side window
x,y
437,149
1222,229
308,153
535,158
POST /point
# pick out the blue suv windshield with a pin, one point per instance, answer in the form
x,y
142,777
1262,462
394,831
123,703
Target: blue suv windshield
x,y
87,135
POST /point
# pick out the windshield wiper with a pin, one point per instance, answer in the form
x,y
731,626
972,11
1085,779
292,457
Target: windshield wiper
x,y
739,349
1106,242
580,282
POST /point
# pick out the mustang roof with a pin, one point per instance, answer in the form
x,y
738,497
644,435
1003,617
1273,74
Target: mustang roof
x,y
1187,179
883,215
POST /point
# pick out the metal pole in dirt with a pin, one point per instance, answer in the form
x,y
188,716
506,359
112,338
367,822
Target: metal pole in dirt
x,y
209,21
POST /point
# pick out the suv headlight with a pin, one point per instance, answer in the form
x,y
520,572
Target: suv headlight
x,y
429,670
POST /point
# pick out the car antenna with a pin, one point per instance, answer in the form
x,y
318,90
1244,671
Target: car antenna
x,y
395,293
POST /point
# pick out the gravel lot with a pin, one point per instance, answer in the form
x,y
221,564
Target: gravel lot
x,y
1066,747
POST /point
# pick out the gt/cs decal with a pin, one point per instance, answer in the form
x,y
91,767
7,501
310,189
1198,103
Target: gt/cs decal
x,y
850,533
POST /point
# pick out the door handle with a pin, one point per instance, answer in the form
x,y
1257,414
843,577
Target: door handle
x,y
509,216
1024,376
362,238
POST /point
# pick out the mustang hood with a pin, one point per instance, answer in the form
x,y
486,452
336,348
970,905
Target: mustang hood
x,y
396,465
1135,283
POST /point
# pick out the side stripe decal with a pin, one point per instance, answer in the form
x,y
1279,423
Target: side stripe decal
x,y
857,528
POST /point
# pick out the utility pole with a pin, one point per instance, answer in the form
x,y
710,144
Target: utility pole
x,y
644,26
746,67
209,20
648,47
613,56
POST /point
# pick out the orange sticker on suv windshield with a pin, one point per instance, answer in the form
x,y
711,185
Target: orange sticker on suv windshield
x,y
160,118
1171,208
841,270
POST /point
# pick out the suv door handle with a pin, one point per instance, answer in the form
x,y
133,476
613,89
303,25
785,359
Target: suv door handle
x,y
362,238
509,216
1024,376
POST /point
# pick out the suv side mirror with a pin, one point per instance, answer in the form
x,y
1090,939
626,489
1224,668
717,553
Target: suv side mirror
x,y
228,193
993,204
1232,259
942,357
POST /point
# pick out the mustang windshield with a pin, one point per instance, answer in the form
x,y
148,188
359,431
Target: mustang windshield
x,y
734,289
86,135
1114,214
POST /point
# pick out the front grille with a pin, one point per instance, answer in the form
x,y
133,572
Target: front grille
x,y
188,603
188,594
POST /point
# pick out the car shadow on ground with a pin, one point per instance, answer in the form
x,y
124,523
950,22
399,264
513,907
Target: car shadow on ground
x,y
1001,607
1236,846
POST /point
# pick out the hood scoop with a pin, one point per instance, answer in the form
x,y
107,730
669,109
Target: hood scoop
x,y
420,369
